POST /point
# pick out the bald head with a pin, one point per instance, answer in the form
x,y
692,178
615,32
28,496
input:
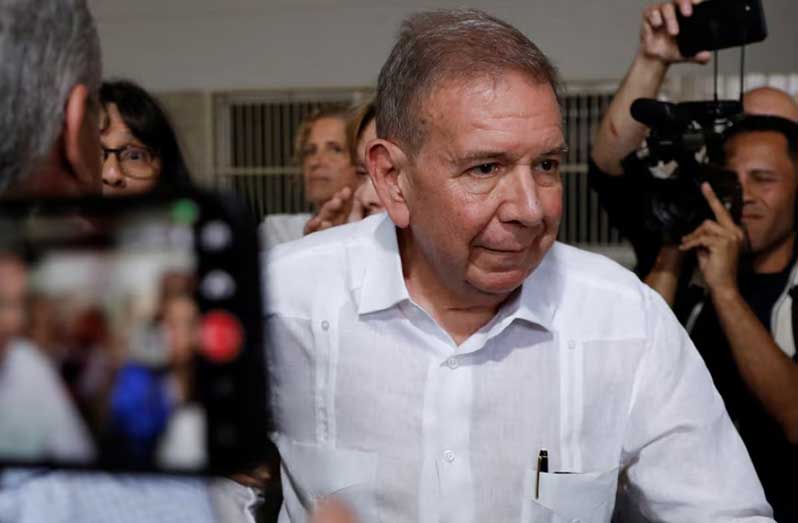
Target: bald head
x,y
770,101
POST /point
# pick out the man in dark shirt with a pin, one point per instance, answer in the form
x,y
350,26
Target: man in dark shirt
x,y
736,304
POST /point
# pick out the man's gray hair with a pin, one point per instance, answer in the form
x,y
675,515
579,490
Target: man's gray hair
x,y
450,44
47,47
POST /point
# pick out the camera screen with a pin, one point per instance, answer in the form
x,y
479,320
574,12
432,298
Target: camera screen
x,y
100,338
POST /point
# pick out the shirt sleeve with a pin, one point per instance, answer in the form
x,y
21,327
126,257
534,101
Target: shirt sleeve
x,y
684,459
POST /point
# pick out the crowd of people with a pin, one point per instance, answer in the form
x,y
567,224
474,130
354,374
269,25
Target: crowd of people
x,y
433,353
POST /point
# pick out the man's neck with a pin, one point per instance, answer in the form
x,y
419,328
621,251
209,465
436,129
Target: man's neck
x,y
775,259
460,312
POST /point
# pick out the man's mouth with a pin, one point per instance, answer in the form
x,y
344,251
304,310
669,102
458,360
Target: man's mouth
x,y
504,249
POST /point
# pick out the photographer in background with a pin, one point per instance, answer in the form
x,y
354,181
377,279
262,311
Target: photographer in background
x,y
740,316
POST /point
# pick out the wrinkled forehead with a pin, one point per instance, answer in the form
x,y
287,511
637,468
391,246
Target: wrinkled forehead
x,y
484,104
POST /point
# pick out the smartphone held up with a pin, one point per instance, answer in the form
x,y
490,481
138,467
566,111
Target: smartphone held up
x,y
131,335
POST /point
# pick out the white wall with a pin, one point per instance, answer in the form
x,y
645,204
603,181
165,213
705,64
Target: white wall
x,y
221,44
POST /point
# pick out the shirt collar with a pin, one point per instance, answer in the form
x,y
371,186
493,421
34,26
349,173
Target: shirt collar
x,y
384,284
536,302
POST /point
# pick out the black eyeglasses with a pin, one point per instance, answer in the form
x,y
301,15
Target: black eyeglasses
x,y
134,161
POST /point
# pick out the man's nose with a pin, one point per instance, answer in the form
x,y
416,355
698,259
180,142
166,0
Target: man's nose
x,y
521,201
746,187
112,172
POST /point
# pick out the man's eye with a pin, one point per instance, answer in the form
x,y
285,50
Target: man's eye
x,y
485,169
549,165
547,172
362,171
764,178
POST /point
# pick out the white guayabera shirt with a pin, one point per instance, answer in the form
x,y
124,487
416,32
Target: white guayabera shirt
x,y
375,404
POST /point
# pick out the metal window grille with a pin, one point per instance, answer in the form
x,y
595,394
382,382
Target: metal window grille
x,y
583,221
254,140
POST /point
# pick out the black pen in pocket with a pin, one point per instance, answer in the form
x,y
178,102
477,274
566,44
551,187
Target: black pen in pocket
x,y
543,466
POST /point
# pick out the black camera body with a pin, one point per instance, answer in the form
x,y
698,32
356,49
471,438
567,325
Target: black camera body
x,y
683,150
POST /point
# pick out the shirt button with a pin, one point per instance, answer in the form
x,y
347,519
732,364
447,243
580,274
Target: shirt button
x,y
448,455
325,325
452,363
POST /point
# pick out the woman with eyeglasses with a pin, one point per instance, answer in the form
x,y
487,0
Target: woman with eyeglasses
x,y
139,145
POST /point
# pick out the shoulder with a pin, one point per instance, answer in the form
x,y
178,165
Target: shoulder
x,y
584,268
608,299
279,228
324,261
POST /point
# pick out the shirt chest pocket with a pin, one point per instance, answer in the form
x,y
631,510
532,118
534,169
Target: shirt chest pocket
x,y
312,473
569,497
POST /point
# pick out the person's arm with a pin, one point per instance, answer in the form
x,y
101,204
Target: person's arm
x,y
664,276
619,134
766,370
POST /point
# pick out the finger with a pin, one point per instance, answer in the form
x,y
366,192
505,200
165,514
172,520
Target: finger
x,y
714,228
654,17
698,231
345,193
669,15
358,212
686,7
334,205
707,242
702,58
718,209
312,225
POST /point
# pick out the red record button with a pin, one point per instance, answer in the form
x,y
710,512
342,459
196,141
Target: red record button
x,y
221,336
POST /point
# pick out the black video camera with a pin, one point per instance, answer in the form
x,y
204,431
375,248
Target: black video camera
x,y
685,144
683,150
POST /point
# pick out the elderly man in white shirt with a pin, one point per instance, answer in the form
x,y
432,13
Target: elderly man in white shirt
x,y
422,361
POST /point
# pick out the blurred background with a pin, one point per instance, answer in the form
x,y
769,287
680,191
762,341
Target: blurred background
x,y
237,76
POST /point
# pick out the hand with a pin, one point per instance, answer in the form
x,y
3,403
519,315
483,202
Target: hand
x,y
718,245
258,478
659,29
360,208
332,511
334,212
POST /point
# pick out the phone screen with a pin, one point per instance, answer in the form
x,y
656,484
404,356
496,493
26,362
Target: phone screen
x,y
100,339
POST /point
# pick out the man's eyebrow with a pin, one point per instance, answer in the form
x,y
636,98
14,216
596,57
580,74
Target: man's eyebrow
x,y
476,156
504,156
761,172
560,150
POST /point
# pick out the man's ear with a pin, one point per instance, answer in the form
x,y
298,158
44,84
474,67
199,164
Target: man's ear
x,y
388,168
81,140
